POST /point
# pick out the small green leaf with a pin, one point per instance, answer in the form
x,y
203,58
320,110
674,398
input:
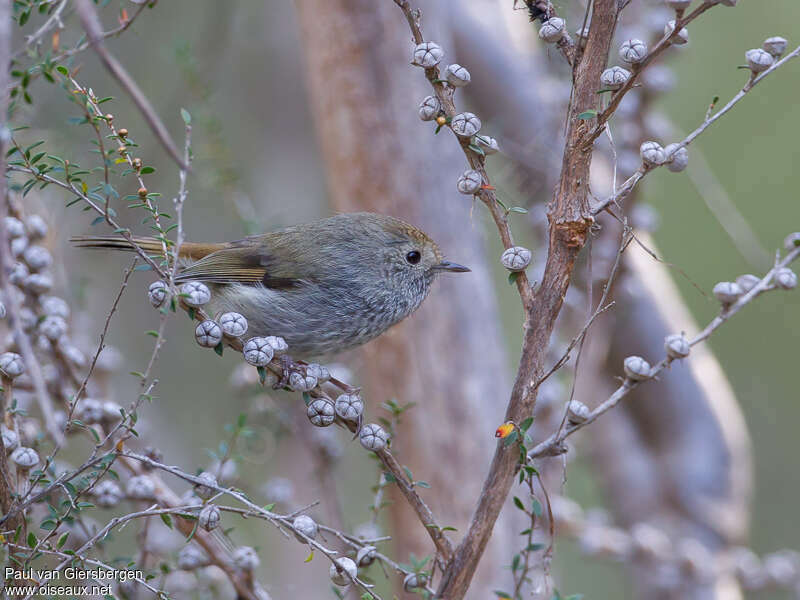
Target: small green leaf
x,y
536,506
512,277
31,540
167,520
526,424
518,503
62,540
310,557
588,114
511,438
187,118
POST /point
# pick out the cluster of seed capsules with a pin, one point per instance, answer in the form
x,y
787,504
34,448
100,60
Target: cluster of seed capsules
x,y
261,351
672,563
42,318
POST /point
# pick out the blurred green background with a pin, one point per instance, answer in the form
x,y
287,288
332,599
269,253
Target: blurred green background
x,y
237,67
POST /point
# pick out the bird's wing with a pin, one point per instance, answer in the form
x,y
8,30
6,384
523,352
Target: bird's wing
x,y
247,265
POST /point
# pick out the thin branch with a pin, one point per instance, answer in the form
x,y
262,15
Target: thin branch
x,y
94,31
554,445
634,179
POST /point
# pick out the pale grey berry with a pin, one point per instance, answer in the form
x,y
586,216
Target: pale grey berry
x,y
456,75
727,292
792,241
659,78
91,411
18,274
373,437
652,154
36,227
53,328
636,368
577,412
343,570
278,344
366,555
427,54
781,568
650,542
680,38
487,144
677,158
785,278
233,324
37,257
679,4
39,283
54,306
429,108
11,364
319,372
25,458
14,227
759,60
614,78
465,124
196,293
349,406
208,334
111,411
10,439
107,494
257,351
306,526
192,557
110,360
552,30
157,293
747,282
633,51
776,46
209,517
469,182
207,486
246,558
300,382
414,581
28,319
320,412
677,346
516,258
279,490
18,246
140,487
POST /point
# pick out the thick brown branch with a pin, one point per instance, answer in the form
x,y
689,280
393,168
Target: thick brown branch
x,y
570,220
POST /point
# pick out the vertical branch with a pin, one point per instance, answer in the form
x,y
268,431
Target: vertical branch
x,y
570,219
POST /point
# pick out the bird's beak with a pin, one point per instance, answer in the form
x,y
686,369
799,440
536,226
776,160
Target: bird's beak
x,y
446,265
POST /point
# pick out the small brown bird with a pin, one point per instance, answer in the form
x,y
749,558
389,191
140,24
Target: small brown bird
x,y
324,286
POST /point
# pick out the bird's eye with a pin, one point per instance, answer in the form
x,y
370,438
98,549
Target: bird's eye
x,y
413,257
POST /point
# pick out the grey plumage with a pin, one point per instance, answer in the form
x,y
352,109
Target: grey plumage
x,y
324,286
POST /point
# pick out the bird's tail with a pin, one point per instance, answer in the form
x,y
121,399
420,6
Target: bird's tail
x,y
190,250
